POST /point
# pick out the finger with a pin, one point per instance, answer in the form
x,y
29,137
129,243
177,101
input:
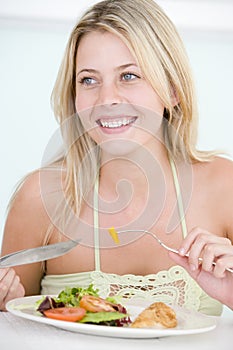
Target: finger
x,y
197,232
203,243
11,292
190,239
182,261
16,290
222,264
212,252
6,282
201,239
3,272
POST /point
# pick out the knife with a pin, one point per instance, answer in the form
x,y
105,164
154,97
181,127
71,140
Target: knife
x,y
28,256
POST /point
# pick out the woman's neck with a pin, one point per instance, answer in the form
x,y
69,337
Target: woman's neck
x,y
132,176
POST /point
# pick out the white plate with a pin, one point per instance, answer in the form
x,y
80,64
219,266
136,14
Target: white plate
x,y
189,322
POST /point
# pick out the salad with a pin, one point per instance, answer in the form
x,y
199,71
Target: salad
x,y
84,305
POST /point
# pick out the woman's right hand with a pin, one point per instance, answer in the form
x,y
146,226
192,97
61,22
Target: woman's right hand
x,y
10,287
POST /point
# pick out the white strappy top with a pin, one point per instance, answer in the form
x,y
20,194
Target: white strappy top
x,y
172,286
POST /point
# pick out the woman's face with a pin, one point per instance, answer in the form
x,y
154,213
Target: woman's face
x,y
113,99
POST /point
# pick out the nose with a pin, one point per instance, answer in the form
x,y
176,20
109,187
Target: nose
x,y
109,93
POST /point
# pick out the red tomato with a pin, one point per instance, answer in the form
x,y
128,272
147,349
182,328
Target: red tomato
x,y
71,314
95,304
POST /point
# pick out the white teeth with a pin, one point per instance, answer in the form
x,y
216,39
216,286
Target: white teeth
x,y
116,123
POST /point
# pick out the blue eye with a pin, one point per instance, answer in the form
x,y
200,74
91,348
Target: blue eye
x,y
87,81
129,76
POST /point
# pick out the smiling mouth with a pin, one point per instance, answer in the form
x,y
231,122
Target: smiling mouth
x,y
116,122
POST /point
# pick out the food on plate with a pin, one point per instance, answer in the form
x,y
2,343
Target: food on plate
x,y
84,305
95,304
72,314
114,235
157,315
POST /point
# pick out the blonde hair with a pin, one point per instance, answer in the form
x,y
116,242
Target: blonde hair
x,y
153,40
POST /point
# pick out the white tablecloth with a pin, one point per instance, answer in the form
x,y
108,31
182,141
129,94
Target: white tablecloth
x,y
19,333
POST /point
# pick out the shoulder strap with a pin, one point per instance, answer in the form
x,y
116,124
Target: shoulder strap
x,y
96,225
179,198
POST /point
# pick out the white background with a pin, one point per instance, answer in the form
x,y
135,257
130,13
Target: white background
x,y
33,36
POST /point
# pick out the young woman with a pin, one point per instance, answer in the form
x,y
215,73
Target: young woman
x,y
125,101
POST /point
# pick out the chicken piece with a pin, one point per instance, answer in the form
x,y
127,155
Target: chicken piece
x,y
157,315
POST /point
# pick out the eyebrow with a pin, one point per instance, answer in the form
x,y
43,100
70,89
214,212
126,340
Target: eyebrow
x,y
90,70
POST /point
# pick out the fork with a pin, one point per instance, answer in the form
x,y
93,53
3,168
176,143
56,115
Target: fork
x,y
114,234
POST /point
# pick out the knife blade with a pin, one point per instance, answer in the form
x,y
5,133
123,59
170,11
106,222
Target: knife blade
x,y
32,255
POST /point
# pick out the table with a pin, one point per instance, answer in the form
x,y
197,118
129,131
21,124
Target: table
x,y
18,333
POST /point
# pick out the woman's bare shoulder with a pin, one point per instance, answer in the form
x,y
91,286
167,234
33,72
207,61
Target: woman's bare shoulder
x,y
37,185
27,212
222,164
28,190
216,181
219,169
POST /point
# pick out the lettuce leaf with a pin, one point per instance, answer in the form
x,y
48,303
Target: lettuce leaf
x,y
72,296
97,317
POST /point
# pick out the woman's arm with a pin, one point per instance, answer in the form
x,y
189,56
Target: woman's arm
x,y
25,227
215,280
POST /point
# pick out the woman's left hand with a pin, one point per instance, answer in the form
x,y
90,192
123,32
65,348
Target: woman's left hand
x,y
211,248
214,279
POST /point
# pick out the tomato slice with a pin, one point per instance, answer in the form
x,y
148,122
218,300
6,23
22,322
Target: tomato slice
x,y
71,314
95,304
